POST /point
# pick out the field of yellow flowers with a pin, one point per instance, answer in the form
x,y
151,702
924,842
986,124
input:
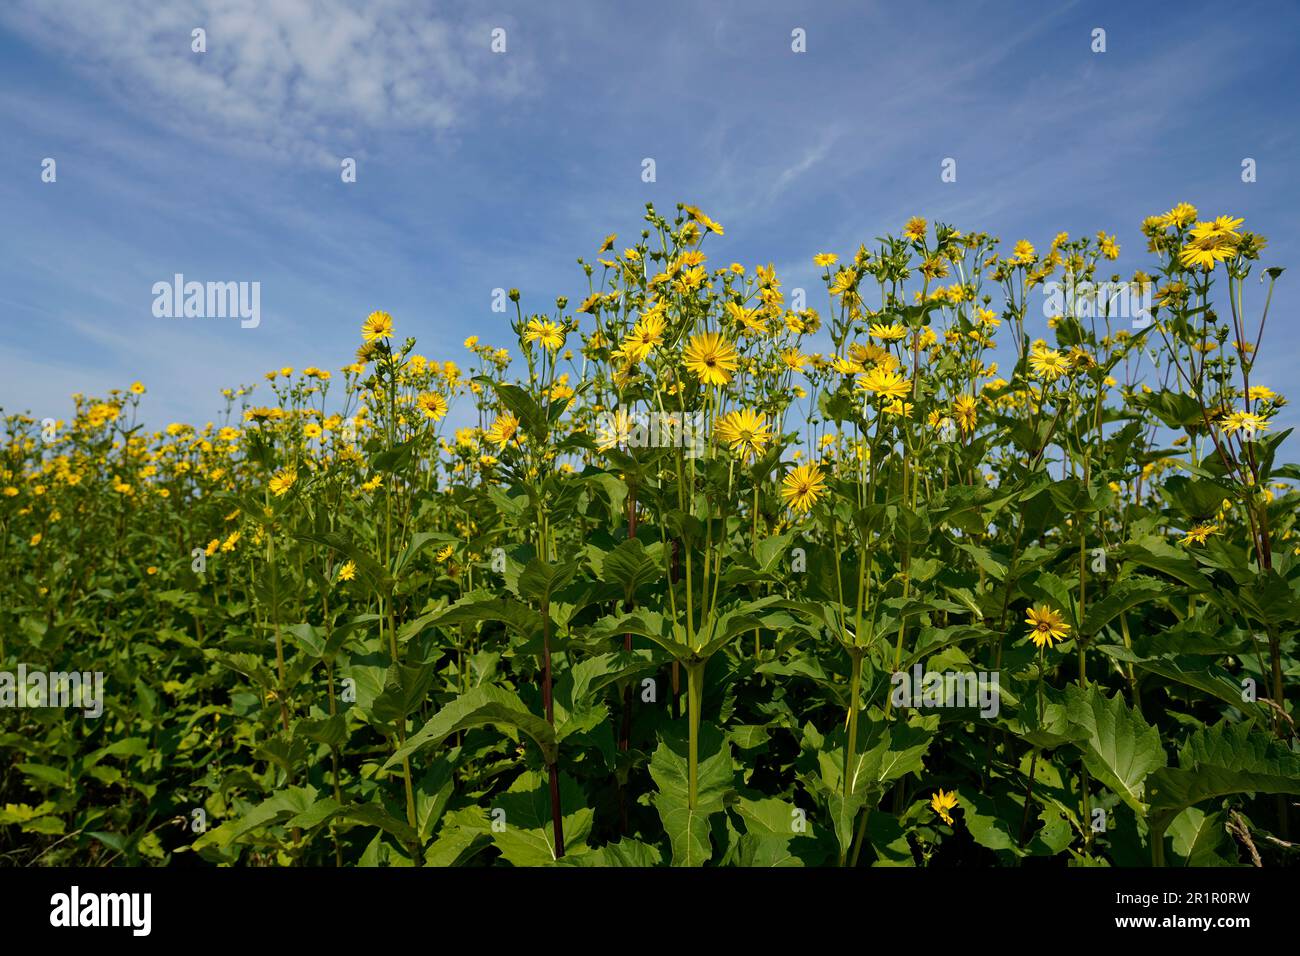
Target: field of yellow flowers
x,y
685,589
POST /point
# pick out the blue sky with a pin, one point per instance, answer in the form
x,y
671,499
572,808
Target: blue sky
x,y
479,170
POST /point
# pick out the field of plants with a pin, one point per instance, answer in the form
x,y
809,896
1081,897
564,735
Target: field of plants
x,y
708,575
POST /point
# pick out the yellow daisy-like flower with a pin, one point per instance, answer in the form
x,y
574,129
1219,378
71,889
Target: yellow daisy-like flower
x,y
444,553
915,228
887,333
825,259
1046,625
347,571
794,359
36,539
432,404
803,486
378,325
746,431
885,383
137,388
1248,423
1048,364
282,481
644,338
963,409
942,802
711,358
1024,253
1199,533
503,429
550,335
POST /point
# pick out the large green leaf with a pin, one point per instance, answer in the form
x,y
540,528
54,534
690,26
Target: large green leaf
x,y
522,825
1120,749
688,827
479,707
1220,761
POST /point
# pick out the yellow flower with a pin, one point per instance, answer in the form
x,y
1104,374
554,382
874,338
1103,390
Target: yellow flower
x,y
711,358
36,539
803,486
229,544
643,339
885,383
1024,253
444,553
915,228
942,802
888,333
432,404
347,571
312,430
137,388
963,409
794,359
1046,625
745,431
1048,364
151,570
1180,215
372,484
282,481
825,259
1247,422
549,334
503,429
1198,534
378,325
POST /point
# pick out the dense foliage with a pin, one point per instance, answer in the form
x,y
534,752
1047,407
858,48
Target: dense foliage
x,y
651,609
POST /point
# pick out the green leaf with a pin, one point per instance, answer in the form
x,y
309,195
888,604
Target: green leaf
x,y
688,827
477,708
1122,596
1220,761
528,835
1119,748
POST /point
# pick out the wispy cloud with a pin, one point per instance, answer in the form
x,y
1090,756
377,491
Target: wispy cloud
x,y
280,77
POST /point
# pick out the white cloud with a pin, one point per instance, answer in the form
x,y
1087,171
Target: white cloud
x,y
305,78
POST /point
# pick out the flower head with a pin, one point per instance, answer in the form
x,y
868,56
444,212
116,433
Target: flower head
x,y
1198,534
711,358
942,802
282,481
1046,625
503,429
803,486
378,325
745,431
